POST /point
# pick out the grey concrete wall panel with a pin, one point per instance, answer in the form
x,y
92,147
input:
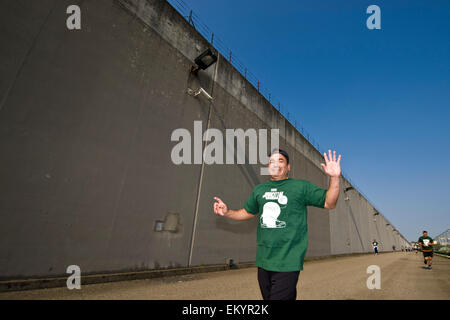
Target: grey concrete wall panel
x,y
354,228
364,216
371,231
384,240
318,219
372,224
340,224
85,150
216,238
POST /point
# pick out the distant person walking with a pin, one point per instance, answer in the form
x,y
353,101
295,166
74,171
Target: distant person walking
x,y
375,246
282,234
426,243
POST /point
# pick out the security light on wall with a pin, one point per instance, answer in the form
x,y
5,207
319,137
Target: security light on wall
x,y
348,188
204,60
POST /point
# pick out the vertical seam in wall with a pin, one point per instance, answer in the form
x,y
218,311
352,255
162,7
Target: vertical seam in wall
x,y
194,227
130,146
356,225
8,91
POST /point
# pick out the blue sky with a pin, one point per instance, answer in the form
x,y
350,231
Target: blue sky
x,y
381,98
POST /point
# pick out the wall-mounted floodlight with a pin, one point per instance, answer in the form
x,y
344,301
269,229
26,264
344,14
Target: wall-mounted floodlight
x,y
376,213
388,224
199,91
204,60
348,188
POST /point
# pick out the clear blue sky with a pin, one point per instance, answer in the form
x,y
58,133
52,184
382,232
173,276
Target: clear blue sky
x,y
381,98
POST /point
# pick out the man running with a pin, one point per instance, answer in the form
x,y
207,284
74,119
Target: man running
x,y
426,243
282,234
375,246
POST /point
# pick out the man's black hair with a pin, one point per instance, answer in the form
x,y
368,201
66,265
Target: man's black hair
x,y
424,231
282,152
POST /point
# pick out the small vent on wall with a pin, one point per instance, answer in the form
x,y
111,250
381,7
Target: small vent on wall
x,y
170,224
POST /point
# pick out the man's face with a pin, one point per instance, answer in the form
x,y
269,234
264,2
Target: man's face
x,y
278,166
425,234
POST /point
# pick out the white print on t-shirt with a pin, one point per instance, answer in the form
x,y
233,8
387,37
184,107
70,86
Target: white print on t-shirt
x,y
425,242
274,195
271,210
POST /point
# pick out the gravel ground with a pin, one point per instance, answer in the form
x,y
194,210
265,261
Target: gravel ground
x,y
402,277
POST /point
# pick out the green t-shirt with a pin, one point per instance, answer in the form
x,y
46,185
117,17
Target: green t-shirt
x,y
375,244
426,240
282,233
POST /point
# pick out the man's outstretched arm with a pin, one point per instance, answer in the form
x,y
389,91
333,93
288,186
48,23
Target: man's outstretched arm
x,y
221,209
332,193
332,167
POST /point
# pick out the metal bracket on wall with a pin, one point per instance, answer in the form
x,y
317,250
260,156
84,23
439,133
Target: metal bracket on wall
x,y
199,91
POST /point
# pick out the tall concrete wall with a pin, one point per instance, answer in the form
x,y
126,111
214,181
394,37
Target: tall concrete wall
x,y
86,118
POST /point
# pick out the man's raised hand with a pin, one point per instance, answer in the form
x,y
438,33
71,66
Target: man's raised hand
x,y
332,167
220,208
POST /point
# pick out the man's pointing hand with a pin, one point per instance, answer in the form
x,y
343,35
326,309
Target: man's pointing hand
x,y
220,208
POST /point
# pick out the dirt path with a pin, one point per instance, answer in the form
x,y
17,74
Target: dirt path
x,y
402,277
